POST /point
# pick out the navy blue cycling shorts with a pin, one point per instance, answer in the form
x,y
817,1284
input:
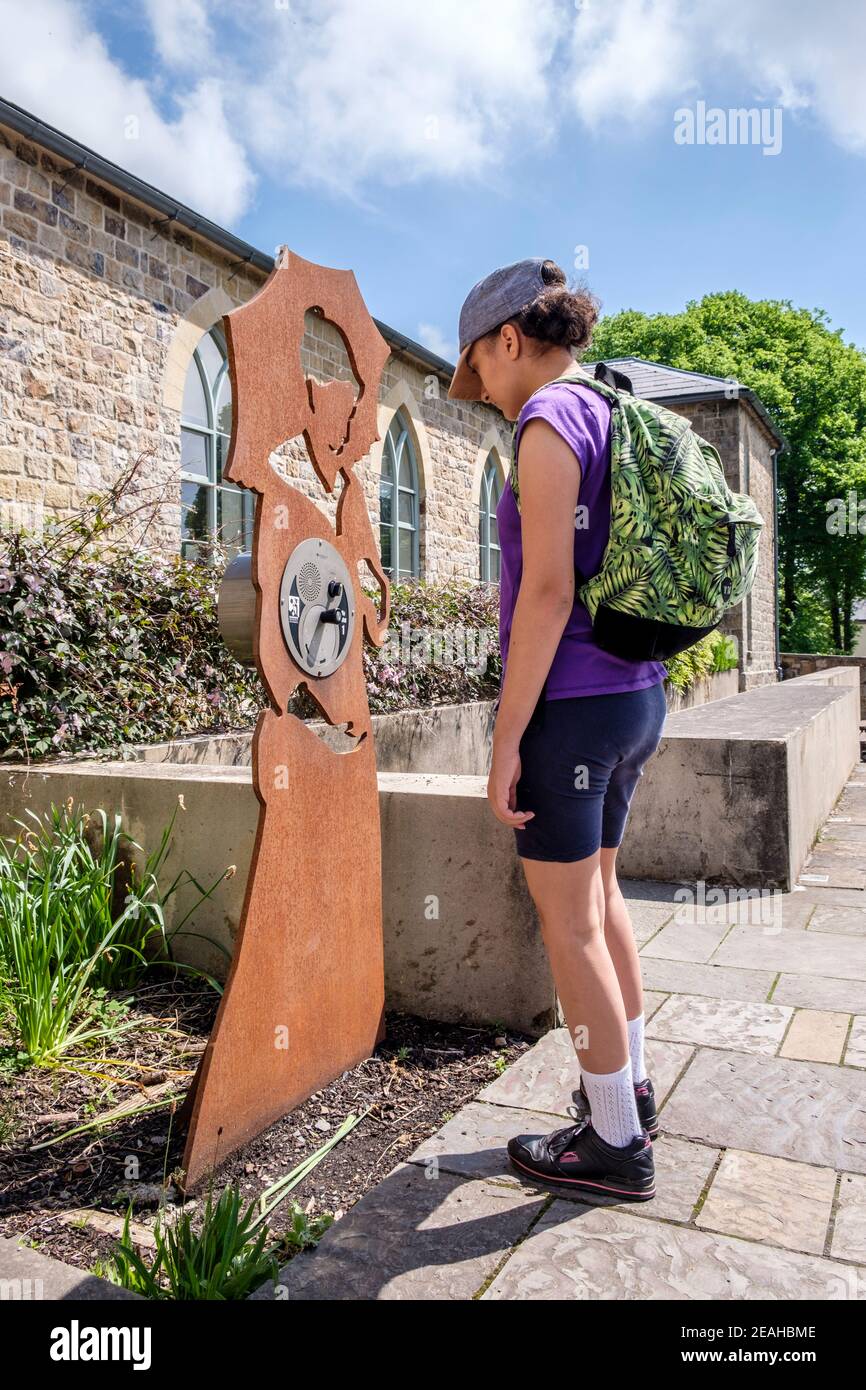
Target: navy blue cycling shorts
x,y
580,760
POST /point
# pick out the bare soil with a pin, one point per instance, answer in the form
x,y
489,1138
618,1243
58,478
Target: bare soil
x,y
422,1073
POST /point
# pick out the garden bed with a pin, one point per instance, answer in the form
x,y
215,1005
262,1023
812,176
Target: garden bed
x,y
418,1076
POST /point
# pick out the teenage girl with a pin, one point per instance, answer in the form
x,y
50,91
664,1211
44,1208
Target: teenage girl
x,y
575,724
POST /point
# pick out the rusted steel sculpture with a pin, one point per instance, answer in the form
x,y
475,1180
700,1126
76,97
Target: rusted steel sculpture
x,y
304,997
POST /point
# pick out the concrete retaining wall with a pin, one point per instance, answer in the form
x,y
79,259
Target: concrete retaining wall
x,y
806,663
462,939
738,789
442,739
736,793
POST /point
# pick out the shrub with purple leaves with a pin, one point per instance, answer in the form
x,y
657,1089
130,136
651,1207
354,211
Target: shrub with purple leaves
x,y
98,650
105,648
442,646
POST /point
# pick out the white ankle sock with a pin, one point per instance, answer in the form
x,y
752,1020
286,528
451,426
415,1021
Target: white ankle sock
x,y
614,1109
635,1047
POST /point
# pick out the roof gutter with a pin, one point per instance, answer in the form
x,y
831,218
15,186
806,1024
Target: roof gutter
x,y
88,161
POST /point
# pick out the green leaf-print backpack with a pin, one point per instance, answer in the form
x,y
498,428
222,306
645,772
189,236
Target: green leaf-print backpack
x,y
683,548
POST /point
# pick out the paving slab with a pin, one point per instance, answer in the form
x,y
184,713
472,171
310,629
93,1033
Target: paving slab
x,y
849,1233
27,1274
821,895
686,941
816,1035
473,1145
546,1077
849,812
840,921
821,992
798,952
748,907
808,1111
832,872
846,830
714,981
648,918
591,1253
845,854
414,1237
727,1023
652,1002
855,1052
770,1199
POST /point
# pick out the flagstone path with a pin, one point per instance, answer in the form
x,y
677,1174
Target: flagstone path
x,y
756,1044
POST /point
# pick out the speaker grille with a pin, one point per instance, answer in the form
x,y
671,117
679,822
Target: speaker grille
x,y
309,582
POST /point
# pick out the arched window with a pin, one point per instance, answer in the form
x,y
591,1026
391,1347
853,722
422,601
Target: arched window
x,y
398,503
488,531
210,507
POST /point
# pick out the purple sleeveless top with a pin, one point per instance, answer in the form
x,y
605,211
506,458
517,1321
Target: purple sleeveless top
x,y
579,666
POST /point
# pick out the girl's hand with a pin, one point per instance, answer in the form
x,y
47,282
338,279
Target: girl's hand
x,y
502,787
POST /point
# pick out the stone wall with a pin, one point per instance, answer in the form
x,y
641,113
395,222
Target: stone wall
x,y
100,311
89,303
746,449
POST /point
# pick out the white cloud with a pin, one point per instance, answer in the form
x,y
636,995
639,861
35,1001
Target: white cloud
x,y
432,337
807,56
626,58
350,95
55,65
634,58
348,92
181,31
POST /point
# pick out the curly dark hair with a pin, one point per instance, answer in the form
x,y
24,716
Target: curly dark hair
x,y
558,316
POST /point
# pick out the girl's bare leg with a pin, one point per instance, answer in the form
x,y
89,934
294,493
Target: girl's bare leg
x,y
571,905
619,937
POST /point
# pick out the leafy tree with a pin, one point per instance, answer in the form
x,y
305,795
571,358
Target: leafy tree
x,y
814,388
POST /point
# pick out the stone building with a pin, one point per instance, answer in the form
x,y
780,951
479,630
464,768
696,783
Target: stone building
x,y
111,352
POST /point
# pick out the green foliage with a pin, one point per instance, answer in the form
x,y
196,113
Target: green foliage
x,y
442,646
715,652
77,918
227,1258
811,629
100,650
814,387
103,645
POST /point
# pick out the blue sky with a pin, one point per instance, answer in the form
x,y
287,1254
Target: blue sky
x,y
422,147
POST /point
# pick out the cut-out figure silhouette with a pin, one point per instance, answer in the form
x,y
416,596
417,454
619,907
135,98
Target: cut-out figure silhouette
x,y
304,997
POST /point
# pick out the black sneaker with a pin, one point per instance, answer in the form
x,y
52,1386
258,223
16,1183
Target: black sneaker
x,y
644,1097
577,1158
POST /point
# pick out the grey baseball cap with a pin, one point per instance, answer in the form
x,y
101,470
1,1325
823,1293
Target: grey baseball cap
x,y
493,300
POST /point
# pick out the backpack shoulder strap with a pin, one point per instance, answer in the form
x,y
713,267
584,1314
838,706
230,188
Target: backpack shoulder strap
x,y
609,389
611,377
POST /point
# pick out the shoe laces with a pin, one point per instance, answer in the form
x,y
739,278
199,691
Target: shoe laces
x,y
561,1138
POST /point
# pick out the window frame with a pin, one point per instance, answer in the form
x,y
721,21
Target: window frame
x,y
490,475
394,450
216,447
